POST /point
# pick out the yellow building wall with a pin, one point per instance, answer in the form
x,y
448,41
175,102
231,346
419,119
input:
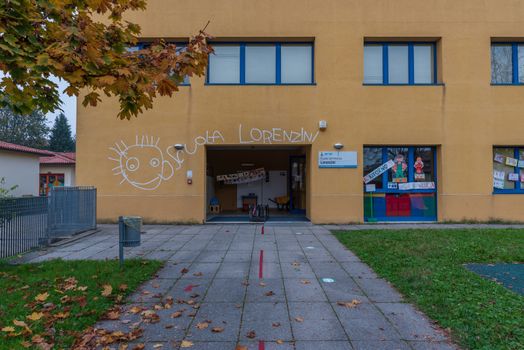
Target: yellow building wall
x,y
464,117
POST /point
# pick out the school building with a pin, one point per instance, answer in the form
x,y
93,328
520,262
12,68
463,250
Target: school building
x,y
330,111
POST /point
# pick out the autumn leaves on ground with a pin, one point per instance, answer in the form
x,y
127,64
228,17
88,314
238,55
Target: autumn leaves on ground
x,y
53,304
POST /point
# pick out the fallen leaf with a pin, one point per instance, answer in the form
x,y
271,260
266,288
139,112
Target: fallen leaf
x,y
140,346
158,346
251,334
82,288
202,325
176,314
184,271
187,344
349,304
217,329
107,290
19,323
135,309
270,293
262,284
42,297
113,315
299,319
8,329
280,341
122,287
198,274
35,316
241,347
276,324
305,281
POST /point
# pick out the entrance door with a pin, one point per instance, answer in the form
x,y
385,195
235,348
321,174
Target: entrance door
x,y
297,187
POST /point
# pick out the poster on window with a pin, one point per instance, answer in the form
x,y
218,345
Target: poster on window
x,y
416,186
521,163
499,158
243,177
511,161
378,171
513,177
419,170
499,184
398,171
499,175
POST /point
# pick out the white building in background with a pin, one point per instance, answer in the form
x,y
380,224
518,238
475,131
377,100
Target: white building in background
x,y
20,166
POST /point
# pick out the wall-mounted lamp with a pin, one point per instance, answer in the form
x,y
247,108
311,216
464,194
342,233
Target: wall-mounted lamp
x,y
322,125
338,146
179,146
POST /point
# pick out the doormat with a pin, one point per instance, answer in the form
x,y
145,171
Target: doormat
x,y
510,276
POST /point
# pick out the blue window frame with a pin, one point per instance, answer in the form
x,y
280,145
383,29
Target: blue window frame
x,y
508,170
387,199
507,63
180,47
261,63
400,63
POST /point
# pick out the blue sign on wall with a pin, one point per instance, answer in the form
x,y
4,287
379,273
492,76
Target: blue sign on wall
x,y
337,159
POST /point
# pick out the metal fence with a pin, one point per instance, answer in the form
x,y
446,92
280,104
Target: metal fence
x,y
71,210
28,223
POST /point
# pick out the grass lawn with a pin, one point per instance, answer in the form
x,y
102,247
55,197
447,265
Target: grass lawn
x,y
52,302
426,266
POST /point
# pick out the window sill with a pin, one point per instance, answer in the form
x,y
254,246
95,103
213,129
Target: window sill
x,y
508,192
510,84
259,84
437,84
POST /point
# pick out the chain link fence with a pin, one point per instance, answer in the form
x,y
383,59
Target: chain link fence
x,y
29,223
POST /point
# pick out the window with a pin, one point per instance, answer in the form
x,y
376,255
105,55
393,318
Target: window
x,y
507,63
179,48
48,181
400,63
261,63
400,183
508,169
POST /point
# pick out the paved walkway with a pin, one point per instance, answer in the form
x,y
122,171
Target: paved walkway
x,y
293,287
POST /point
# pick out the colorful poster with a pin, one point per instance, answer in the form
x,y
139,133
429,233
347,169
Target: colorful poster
x,y
499,184
243,177
513,177
499,175
499,158
399,169
521,163
511,161
378,171
416,186
419,170
522,178
371,188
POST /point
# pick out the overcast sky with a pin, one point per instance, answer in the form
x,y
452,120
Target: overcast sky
x,y
68,106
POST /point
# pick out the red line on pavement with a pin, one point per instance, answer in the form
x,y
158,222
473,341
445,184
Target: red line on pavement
x,y
261,264
261,345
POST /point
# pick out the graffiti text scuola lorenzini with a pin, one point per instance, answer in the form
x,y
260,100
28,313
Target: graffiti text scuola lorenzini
x,y
143,165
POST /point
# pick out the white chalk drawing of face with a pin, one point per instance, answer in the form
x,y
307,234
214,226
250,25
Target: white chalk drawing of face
x,y
142,164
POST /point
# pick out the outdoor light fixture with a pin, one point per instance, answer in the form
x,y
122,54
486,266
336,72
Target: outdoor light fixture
x,y
338,146
322,125
179,146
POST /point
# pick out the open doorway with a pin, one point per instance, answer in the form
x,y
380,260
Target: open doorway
x,y
241,179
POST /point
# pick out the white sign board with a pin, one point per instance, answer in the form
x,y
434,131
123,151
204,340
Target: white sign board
x,y
379,171
337,159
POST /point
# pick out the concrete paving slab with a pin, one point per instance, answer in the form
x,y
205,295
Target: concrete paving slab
x,y
305,272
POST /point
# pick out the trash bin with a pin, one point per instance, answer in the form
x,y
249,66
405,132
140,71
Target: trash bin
x,y
130,227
